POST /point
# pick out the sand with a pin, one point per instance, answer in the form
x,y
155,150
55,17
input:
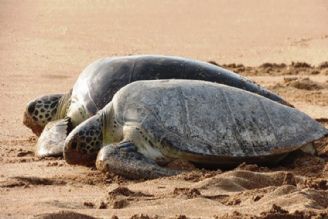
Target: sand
x,y
44,45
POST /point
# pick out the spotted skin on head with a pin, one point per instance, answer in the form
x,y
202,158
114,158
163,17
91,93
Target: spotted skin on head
x,y
41,111
89,140
84,142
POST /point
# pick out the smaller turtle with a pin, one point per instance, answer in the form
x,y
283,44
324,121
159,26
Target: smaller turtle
x,y
56,115
151,123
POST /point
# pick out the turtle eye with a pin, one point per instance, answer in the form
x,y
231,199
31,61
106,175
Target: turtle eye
x,y
31,107
74,145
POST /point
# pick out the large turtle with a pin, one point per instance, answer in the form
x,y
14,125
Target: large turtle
x,y
96,85
150,123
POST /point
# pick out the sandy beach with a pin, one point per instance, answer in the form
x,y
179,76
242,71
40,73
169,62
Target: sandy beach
x,y
44,45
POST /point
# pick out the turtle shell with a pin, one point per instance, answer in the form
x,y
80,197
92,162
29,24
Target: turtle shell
x,y
202,120
98,83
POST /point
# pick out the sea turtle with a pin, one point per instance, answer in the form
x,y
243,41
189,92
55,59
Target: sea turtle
x,y
151,123
56,115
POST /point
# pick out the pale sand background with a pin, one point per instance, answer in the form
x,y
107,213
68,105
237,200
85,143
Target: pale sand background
x,y
44,45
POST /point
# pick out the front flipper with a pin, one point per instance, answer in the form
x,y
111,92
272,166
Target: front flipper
x,y
51,141
124,159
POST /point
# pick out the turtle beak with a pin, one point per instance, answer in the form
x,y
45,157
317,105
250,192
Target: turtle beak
x,y
30,123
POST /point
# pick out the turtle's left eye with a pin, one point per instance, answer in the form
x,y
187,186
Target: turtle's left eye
x,y
74,145
31,107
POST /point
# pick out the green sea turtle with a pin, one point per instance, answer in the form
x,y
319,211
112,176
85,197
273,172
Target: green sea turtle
x,y
56,115
151,123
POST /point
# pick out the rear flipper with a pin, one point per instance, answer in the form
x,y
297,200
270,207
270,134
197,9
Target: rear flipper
x,y
124,159
51,141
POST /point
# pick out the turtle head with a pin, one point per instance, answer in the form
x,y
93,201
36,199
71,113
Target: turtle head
x,y
41,111
84,142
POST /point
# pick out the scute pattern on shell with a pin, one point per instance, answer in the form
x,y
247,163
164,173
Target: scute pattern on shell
x,y
100,80
209,119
